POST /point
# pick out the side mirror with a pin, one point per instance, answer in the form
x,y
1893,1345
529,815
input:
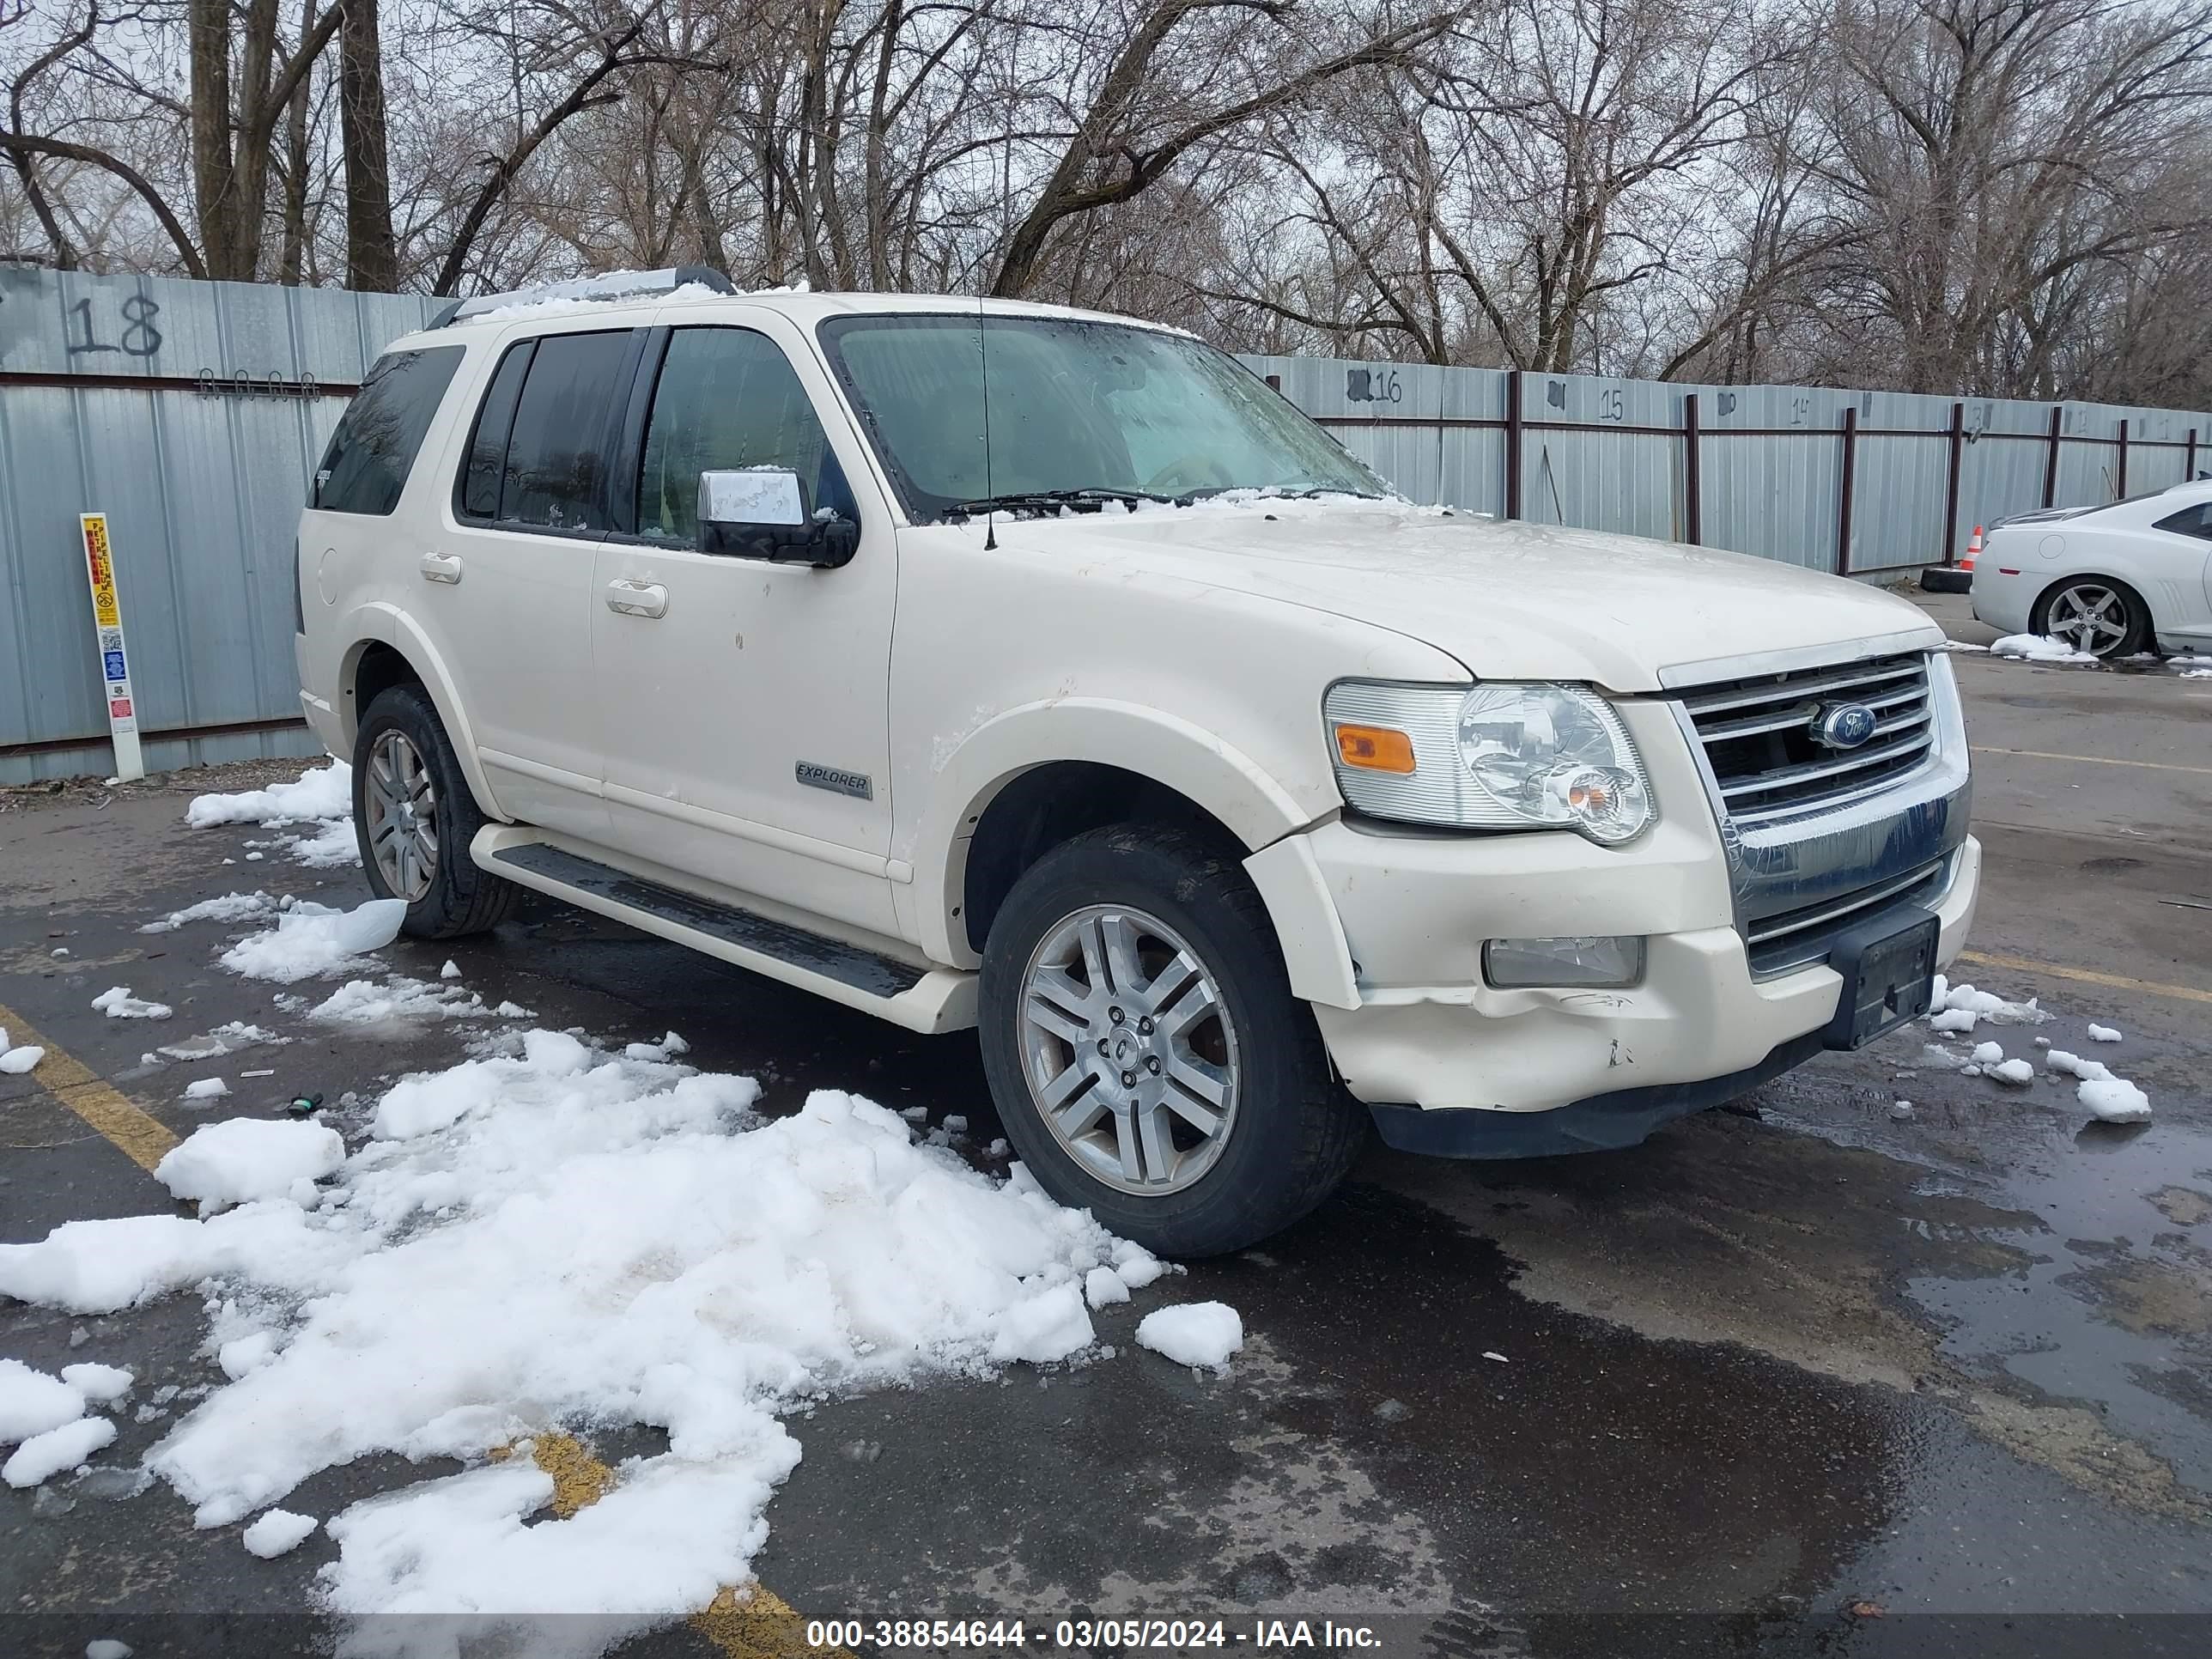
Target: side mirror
x,y
762,513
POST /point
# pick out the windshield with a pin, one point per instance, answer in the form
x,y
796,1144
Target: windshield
x,y
1076,408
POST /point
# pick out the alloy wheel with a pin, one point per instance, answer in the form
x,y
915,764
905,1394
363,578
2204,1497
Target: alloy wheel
x,y
401,801
1128,1049
2089,616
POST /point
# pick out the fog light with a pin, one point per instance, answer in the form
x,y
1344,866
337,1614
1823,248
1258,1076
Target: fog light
x,y
1578,959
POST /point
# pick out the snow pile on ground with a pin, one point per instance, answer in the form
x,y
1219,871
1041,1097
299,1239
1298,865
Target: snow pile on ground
x,y
313,938
45,1455
1195,1333
32,1402
276,1532
402,1000
248,1158
13,1063
225,1039
1956,1008
231,906
2112,1098
2038,648
321,796
320,791
47,1415
331,846
2104,1034
549,1234
117,1003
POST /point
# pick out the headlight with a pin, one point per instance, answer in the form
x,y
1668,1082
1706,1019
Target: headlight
x,y
1501,757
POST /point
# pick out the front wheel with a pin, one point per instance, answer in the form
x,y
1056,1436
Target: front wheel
x,y
2103,617
1145,1052
414,817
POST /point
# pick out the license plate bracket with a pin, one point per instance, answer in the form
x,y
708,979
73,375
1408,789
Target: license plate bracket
x,y
1889,969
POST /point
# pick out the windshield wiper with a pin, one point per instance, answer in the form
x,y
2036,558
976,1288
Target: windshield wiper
x,y
1039,500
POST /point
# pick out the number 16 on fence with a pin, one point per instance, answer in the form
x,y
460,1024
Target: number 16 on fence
x,y
107,628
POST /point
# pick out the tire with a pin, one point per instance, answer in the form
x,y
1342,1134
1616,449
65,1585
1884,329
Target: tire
x,y
2104,618
1179,922
401,749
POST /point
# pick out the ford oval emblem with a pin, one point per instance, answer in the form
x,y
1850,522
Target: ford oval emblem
x,y
1843,725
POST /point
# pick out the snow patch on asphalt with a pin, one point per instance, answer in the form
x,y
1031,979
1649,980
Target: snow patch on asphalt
x,y
231,906
117,1003
32,1402
247,1158
278,1532
1203,1333
549,1234
2038,648
320,791
310,939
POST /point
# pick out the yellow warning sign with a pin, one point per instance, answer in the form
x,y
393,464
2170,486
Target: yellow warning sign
x,y
100,566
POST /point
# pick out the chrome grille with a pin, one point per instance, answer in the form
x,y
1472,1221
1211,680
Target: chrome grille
x,y
1758,736
1794,937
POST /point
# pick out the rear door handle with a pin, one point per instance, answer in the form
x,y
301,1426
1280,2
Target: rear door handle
x,y
637,598
440,566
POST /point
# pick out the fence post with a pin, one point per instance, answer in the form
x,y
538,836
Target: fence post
x,y
1513,444
1693,514
1851,475
2051,463
1951,502
2120,494
2189,458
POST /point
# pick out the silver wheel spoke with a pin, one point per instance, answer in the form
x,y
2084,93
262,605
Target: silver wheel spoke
x,y
1126,975
1159,1148
1063,1026
1124,1143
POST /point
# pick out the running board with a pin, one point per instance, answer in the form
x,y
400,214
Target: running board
x,y
928,1000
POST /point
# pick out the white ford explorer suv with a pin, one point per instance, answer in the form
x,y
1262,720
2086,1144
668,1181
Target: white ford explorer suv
x,y
1237,801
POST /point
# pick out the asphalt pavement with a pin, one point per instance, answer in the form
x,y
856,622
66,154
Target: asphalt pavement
x,y
1799,1375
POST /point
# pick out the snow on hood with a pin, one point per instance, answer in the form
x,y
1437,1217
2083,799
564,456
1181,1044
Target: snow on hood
x,y
1509,601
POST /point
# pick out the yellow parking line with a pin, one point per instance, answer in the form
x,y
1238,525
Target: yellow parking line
x,y
753,1623
2092,760
2086,975
140,1139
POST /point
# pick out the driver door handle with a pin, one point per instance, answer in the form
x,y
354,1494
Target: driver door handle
x,y
440,566
634,599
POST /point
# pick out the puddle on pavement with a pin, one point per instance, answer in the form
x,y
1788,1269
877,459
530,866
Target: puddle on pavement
x,y
2117,1309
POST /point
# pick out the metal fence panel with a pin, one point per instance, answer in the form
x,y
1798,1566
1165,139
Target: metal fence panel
x,y
190,413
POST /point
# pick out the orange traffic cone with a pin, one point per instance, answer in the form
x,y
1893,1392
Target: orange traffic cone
x,y
1973,550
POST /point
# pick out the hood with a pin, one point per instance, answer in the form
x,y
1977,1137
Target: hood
x,y
1509,601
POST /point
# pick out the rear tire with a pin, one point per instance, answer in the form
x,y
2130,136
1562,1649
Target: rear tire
x,y
414,817
2096,614
1107,1104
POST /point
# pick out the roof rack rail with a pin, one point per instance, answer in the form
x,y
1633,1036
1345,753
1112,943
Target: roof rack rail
x,y
616,285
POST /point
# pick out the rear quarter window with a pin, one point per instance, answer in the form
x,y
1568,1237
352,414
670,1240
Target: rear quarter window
x,y
366,466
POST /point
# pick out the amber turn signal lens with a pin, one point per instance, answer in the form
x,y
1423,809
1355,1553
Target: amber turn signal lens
x,y
1375,748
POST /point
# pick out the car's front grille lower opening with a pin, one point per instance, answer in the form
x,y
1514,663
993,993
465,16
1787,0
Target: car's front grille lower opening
x,y
1758,736
1794,938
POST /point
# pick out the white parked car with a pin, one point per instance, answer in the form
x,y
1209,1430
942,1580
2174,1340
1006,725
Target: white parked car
x,y
1237,801
2112,580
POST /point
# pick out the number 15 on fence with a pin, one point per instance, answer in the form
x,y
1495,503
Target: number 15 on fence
x,y
107,630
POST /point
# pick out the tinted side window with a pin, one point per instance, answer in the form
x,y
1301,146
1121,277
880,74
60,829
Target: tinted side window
x,y
2190,521
556,472
727,398
478,495
366,466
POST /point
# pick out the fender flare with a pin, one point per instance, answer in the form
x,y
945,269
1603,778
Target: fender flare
x,y
383,623
1196,763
